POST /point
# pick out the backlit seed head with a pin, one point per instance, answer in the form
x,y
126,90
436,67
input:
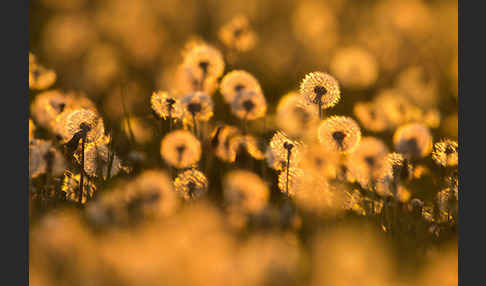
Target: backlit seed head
x,y
366,162
316,195
202,61
236,82
47,106
150,194
248,143
191,184
245,192
220,141
199,105
396,168
164,104
295,115
446,153
319,87
319,162
295,179
237,34
413,140
39,76
339,134
180,149
371,116
249,105
278,151
42,155
97,160
354,67
83,120
396,108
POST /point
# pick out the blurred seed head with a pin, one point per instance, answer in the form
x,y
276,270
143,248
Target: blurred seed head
x,y
339,134
371,116
191,184
199,105
236,82
39,77
43,155
237,34
245,192
354,67
413,140
367,161
249,105
202,61
320,87
295,115
446,153
180,149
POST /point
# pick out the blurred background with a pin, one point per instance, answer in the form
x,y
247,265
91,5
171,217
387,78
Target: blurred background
x,y
403,48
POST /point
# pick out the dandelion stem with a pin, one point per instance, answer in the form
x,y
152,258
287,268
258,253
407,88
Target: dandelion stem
x,y
194,123
81,181
320,109
288,168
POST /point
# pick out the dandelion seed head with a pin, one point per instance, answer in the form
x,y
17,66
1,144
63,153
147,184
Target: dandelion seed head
x,y
245,142
319,162
249,105
245,192
446,153
371,116
39,77
413,140
164,104
199,105
237,34
191,184
43,154
278,152
83,120
47,106
339,134
354,67
97,160
236,82
319,87
366,162
203,61
295,115
180,149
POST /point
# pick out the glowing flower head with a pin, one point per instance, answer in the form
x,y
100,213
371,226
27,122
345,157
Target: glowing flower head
x,y
339,134
203,62
319,162
97,160
220,141
278,150
237,34
237,81
446,153
83,121
354,67
180,149
39,76
198,106
366,162
245,191
191,184
249,105
43,157
47,106
321,89
246,142
371,116
413,140
166,105
396,168
295,115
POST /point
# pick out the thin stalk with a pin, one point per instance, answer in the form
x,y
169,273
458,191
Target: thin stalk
x,y
320,109
288,168
81,181
127,117
194,123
